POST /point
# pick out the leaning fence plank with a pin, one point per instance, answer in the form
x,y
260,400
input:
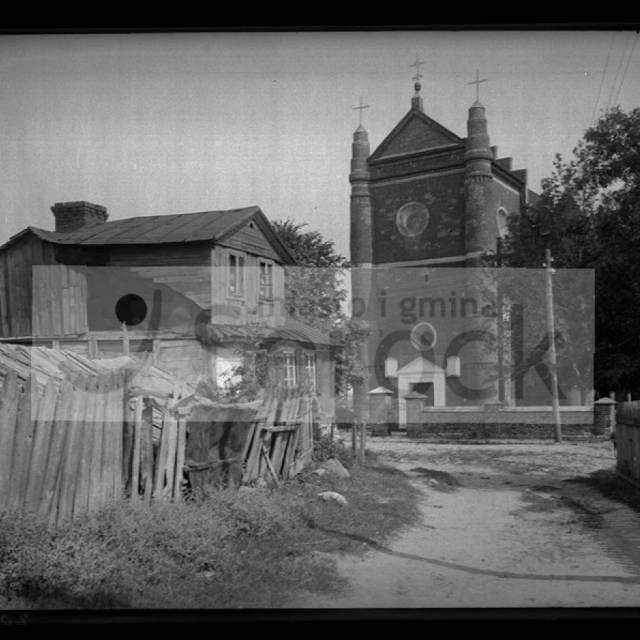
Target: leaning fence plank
x,y
48,497
8,415
181,445
21,448
119,417
94,498
161,459
128,437
70,457
42,439
81,503
110,435
172,442
137,438
147,451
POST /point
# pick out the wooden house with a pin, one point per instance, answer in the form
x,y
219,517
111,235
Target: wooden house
x,y
192,290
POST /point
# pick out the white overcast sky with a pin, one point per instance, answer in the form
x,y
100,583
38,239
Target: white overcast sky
x,y
152,124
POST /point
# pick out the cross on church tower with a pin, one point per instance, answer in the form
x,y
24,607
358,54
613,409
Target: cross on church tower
x,y
361,108
417,64
477,82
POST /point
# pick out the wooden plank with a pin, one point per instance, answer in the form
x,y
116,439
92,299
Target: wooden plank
x,y
109,453
8,419
253,456
71,455
41,443
119,419
128,442
161,461
146,463
23,444
137,439
274,475
181,446
81,502
94,498
172,443
290,456
48,496
56,316
277,452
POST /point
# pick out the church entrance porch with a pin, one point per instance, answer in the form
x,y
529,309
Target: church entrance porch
x,y
420,383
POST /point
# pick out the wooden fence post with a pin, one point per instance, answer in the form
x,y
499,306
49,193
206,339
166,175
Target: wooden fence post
x,y
353,440
8,415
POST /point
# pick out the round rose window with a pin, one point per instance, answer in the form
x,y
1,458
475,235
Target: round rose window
x,y
412,219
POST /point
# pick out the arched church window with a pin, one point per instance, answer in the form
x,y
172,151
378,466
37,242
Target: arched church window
x,y
502,221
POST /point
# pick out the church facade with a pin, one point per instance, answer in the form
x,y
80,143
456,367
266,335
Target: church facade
x,y
427,208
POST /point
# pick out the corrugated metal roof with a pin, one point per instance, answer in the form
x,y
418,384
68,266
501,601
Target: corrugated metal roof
x,y
203,226
182,227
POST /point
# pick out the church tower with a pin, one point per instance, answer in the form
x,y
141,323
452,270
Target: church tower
x,y
427,199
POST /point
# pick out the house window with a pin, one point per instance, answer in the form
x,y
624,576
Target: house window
x,y
236,274
310,369
266,280
290,378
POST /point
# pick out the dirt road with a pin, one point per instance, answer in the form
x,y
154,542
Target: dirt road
x,y
503,525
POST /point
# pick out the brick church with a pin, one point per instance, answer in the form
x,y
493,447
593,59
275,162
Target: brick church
x,y
425,203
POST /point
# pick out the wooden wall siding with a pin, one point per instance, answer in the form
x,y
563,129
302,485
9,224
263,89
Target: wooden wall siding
x,y
196,254
16,285
59,306
249,304
251,240
193,282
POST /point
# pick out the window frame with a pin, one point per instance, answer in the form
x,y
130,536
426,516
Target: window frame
x,y
269,269
311,372
290,366
240,274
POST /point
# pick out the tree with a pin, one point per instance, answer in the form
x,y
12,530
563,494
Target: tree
x,y
589,216
316,293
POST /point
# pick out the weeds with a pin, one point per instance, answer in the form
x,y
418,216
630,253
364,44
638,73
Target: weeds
x,y
247,548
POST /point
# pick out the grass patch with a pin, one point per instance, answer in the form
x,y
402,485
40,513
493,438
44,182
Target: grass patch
x,y
247,548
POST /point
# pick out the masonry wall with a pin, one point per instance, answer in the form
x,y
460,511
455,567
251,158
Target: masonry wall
x,y
518,423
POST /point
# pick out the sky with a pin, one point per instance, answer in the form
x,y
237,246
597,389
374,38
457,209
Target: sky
x,y
153,124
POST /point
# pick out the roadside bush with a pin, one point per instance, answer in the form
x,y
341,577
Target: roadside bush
x,y
324,448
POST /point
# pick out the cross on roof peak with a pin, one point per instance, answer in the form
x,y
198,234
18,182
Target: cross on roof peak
x,y
361,107
477,82
417,64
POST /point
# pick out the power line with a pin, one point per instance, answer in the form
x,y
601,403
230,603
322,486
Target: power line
x,y
626,68
615,79
604,73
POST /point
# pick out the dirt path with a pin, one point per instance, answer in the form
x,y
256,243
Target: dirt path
x,y
502,526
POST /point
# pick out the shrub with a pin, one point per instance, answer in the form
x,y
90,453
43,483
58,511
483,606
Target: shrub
x,y
324,448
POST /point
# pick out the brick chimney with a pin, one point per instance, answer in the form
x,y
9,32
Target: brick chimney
x,y
71,216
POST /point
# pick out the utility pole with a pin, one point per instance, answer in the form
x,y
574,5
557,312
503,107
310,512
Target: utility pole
x,y
499,327
552,346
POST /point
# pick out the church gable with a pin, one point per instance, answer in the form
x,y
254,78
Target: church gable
x,y
415,132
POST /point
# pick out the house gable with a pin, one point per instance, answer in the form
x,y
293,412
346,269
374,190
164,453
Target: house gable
x,y
251,239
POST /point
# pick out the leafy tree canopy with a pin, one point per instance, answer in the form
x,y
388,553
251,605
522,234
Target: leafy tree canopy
x,y
588,214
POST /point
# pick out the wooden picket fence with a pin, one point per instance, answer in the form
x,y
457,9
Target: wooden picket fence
x,y
61,444
70,446
627,434
153,466
280,443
